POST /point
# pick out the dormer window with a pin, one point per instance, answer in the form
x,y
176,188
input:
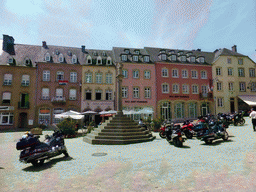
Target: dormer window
x,y
124,57
146,59
135,58
47,57
74,59
61,58
137,52
10,61
104,54
171,52
201,59
162,51
173,57
183,58
108,61
189,53
163,57
192,59
99,61
180,53
89,60
95,53
127,51
28,62
57,52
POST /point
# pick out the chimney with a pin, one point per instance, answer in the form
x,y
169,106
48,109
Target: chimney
x,y
83,48
44,45
8,44
198,49
234,49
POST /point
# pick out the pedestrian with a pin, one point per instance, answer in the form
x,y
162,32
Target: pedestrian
x,y
253,116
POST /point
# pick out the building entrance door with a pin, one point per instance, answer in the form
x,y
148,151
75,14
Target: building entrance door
x,y
232,105
23,119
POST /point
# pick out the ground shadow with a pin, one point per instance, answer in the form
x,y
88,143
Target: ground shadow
x,y
1,168
48,164
217,142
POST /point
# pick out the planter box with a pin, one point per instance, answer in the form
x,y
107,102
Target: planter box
x,y
36,131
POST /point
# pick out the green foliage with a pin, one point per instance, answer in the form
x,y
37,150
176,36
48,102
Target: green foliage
x,y
67,126
157,123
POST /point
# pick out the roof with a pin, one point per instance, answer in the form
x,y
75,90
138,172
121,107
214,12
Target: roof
x,y
226,52
154,53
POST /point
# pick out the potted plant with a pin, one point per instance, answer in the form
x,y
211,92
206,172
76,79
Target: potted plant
x,y
68,128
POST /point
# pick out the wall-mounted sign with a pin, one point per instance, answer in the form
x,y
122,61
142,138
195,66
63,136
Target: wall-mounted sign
x,y
179,96
135,101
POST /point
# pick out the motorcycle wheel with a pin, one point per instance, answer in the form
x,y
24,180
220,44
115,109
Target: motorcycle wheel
x,y
189,135
36,163
66,154
162,134
235,123
241,122
177,142
225,137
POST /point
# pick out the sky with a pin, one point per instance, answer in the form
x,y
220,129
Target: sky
x,y
103,24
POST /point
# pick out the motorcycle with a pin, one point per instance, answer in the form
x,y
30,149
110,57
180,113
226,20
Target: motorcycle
x,y
164,126
238,119
36,152
187,129
217,131
174,135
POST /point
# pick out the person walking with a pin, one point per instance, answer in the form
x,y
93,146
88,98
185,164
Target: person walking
x,y
253,116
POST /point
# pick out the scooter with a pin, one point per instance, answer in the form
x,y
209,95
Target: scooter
x,y
36,152
174,135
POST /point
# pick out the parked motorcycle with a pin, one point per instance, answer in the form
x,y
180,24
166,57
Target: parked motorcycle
x,y
36,152
187,129
217,131
238,119
174,135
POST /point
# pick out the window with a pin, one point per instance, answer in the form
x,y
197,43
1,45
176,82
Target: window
x,y
44,116
61,58
201,59
127,51
125,73
147,92
46,75
231,86
165,88
240,61
175,73
108,61
45,93
194,74
137,52
173,57
229,60
7,79
183,58
72,94
55,112
204,90
88,94
60,75
192,110
59,94
6,118
10,60
230,71
242,87
165,110
124,57
220,102
163,57
136,93
124,92
179,110
99,61
219,86
6,99
47,57
109,78
98,94
184,73
73,77
146,59
135,74
135,58
146,74
252,72
203,75
175,88
192,59
241,72
165,73
253,86
194,89
218,71
74,59
88,77
185,89
108,95
98,78
89,60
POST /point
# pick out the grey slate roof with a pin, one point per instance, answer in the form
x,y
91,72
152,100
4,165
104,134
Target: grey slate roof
x,y
155,52
226,52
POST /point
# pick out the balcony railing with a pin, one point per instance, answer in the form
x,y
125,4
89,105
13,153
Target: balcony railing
x,y
58,100
23,105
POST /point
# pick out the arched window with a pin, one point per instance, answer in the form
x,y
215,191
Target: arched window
x,y
74,59
89,60
179,110
109,61
165,110
61,58
99,61
47,57
192,110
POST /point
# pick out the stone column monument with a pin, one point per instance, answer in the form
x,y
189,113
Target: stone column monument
x,y
119,129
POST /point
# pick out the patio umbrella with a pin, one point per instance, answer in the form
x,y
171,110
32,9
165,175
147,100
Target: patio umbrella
x,y
111,112
89,113
69,114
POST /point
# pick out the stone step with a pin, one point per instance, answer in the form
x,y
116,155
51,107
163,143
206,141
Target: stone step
x,y
116,141
122,133
121,137
122,130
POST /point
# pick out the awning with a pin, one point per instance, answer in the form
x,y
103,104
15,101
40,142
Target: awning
x,y
249,99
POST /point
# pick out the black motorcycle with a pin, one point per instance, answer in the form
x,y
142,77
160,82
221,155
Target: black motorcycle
x,y
217,131
174,135
36,152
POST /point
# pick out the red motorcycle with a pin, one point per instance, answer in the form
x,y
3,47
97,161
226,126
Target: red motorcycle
x,y
187,129
165,126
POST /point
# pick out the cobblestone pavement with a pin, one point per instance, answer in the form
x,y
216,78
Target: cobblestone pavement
x,y
151,166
